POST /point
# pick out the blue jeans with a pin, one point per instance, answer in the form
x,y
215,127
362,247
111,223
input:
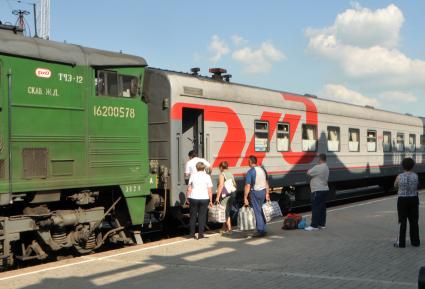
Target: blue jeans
x,y
257,200
318,209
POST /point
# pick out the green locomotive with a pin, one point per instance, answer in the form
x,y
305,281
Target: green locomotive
x,y
74,169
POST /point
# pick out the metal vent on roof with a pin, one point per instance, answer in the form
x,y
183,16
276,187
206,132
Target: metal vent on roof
x,y
192,90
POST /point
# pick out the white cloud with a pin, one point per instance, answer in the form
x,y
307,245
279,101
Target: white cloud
x,y
398,96
363,43
259,60
362,27
341,93
218,48
238,40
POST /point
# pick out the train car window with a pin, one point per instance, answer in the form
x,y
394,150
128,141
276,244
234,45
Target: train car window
x,y
282,136
371,141
309,142
400,142
412,142
129,85
333,139
423,143
110,83
354,140
107,83
261,132
386,141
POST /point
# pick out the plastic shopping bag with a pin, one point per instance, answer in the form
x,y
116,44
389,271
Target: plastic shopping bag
x,y
246,219
271,210
217,214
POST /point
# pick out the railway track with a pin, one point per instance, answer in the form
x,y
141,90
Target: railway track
x,y
156,234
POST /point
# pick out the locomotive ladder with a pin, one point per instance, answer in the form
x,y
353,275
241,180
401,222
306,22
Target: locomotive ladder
x,y
3,255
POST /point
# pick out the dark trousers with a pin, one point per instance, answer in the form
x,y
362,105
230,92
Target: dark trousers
x,y
198,212
257,200
318,208
408,209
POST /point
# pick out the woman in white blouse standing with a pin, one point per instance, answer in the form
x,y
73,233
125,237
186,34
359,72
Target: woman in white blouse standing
x,y
407,204
199,196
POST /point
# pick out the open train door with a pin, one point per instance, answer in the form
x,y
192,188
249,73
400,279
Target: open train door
x,y
193,131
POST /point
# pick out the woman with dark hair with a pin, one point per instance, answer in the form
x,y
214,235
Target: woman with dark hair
x,y
226,190
407,204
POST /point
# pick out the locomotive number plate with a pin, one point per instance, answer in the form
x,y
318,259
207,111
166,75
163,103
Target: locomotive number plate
x,y
114,111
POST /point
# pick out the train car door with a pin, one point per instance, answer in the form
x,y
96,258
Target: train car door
x,y
193,131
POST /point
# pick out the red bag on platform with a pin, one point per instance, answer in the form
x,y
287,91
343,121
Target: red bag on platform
x,y
291,221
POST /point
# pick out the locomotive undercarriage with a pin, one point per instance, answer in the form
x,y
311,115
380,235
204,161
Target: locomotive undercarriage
x,y
47,230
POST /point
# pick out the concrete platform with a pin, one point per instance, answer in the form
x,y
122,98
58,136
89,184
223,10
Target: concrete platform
x,y
355,251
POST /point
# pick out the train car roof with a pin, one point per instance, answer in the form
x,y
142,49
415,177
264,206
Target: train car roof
x,y
16,44
374,113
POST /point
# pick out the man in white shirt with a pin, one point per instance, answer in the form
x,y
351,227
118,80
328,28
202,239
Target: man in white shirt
x,y
319,175
191,165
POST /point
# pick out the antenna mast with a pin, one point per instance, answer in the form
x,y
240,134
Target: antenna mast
x,y
44,19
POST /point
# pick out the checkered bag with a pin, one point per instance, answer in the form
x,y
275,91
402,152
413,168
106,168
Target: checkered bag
x,y
271,210
217,214
246,219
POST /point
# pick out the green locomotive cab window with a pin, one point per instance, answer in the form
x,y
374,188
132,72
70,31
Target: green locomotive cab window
x,y
110,83
129,86
107,83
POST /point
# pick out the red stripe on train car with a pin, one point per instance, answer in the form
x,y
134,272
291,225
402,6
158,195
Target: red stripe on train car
x,y
291,157
272,118
234,141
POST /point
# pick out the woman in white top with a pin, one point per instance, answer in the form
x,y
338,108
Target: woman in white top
x,y
407,204
199,196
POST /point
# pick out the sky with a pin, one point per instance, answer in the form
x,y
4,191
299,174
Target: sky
x,y
365,52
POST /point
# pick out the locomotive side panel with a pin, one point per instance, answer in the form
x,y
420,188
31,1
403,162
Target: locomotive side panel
x,y
47,113
73,148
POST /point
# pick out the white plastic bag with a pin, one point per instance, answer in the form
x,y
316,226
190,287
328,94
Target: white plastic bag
x,y
246,219
271,210
217,214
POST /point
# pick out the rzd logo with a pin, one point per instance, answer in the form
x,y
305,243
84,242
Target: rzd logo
x,y
43,72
